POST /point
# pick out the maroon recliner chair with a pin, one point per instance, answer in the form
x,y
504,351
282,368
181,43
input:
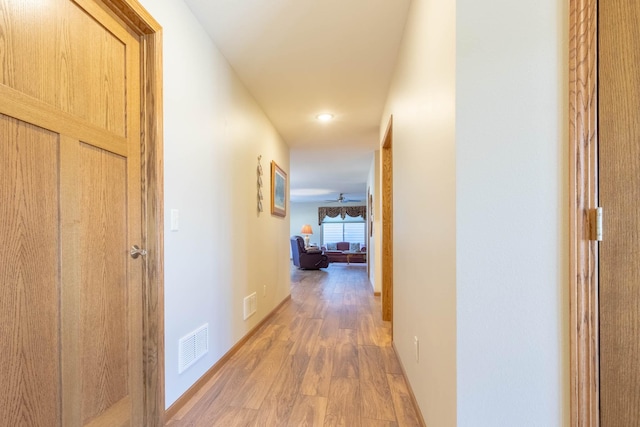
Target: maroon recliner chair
x,y
309,260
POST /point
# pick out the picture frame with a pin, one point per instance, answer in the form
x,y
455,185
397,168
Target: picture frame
x,y
278,190
370,214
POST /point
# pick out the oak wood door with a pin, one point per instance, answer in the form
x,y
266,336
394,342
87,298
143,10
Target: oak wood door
x,y
70,192
619,187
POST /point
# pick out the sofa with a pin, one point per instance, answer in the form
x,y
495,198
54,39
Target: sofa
x,y
345,252
308,259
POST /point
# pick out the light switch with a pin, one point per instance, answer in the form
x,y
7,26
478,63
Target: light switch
x,y
175,220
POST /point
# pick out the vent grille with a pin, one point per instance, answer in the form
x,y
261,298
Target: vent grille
x,y
192,347
250,305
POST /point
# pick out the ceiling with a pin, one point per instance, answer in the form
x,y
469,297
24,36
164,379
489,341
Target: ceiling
x,y
300,58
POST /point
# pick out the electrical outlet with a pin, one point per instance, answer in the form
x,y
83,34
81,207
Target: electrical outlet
x,y
416,343
264,290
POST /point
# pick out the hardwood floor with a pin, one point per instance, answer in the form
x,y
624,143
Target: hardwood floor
x,y
324,359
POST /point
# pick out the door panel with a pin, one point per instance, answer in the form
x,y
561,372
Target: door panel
x,y
619,187
103,259
29,276
59,66
71,296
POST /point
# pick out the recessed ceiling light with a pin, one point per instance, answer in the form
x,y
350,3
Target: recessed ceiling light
x,y
325,117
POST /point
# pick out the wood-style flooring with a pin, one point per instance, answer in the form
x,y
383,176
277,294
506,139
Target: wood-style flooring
x,y
324,359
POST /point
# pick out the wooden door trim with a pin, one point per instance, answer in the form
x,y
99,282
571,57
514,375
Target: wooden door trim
x,y
150,35
387,223
583,187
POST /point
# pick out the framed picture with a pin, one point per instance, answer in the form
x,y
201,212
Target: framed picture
x,y
370,215
278,191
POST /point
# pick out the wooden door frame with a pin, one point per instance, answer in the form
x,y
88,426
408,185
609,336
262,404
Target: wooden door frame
x,y
386,153
583,188
149,32
368,234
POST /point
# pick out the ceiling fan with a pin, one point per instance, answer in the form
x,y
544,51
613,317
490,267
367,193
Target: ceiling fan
x,y
342,199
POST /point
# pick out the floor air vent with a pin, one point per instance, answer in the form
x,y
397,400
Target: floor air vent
x,y
192,347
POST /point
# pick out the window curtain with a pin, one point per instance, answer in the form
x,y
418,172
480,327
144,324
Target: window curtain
x,y
343,211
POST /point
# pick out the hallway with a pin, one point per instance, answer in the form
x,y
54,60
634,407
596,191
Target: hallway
x,y
324,359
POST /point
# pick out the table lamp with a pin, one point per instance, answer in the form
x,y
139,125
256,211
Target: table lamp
x,y
306,230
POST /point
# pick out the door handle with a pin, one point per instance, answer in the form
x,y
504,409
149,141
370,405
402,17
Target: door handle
x,y
136,251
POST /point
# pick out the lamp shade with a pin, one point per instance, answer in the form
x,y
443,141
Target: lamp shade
x,y
306,229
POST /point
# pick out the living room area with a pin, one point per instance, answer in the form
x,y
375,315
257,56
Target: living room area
x,y
326,232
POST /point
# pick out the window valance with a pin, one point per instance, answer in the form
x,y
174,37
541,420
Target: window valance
x,y
343,211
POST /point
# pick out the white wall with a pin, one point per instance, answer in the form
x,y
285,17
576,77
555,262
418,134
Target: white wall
x,y
422,101
305,213
224,250
512,215
374,253
480,174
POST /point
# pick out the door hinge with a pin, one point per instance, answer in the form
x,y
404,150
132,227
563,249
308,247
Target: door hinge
x,y
596,229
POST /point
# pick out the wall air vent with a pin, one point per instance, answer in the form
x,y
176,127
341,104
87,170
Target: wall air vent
x,y
250,305
192,347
